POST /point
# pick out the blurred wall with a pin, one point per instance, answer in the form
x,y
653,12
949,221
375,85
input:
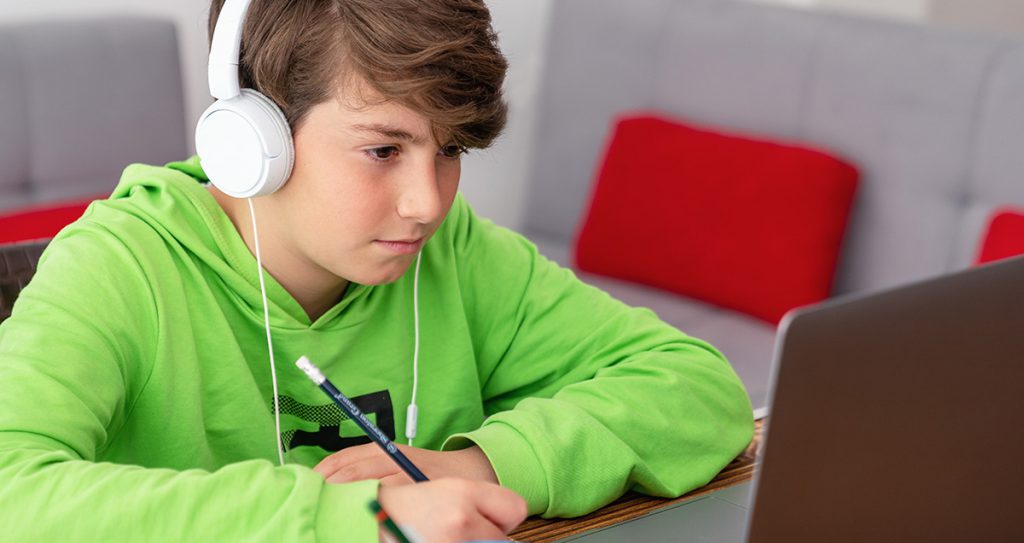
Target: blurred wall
x,y
915,10
1002,16
987,16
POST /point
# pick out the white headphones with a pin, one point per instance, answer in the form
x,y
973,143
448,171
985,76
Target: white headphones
x,y
243,139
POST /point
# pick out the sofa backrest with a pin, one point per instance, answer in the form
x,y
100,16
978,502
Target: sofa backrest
x,y
933,118
81,99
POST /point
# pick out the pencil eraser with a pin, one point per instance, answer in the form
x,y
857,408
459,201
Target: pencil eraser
x,y
310,370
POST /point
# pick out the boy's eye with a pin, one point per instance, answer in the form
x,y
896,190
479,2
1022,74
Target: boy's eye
x,y
382,153
453,151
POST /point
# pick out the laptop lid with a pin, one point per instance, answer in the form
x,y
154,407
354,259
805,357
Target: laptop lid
x,y
899,416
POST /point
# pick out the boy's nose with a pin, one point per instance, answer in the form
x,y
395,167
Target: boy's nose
x,y
421,196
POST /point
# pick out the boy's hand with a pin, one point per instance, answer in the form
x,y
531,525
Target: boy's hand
x,y
450,510
370,462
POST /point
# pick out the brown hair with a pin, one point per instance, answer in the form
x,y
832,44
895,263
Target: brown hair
x,y
439,58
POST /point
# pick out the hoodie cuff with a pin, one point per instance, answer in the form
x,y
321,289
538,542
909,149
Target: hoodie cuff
x,y
344,513
517,466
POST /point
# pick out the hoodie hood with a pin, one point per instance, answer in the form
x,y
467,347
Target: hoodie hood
x,y
176,202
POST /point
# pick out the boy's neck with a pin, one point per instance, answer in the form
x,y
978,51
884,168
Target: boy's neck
x,y
315,289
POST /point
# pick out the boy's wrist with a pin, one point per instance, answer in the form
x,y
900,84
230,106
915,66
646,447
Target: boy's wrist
x,y
475,464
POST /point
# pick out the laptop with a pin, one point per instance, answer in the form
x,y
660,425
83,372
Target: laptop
x,y
895,416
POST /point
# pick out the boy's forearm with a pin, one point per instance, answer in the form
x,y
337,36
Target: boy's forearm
x,y
662,424
48,495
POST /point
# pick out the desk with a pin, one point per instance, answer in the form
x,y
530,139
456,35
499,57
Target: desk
x,y
633,505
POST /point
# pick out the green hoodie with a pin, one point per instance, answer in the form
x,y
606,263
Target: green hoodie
x,y
137,403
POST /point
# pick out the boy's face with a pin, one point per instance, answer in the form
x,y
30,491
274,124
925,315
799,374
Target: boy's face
x,y
369,187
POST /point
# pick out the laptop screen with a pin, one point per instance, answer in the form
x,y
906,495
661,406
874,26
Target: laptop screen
x,y
896,416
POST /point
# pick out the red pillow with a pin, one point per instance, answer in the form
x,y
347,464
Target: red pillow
x,y
40,221
1005,236
743,223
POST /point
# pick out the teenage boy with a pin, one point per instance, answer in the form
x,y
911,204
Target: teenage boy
x,y
138,402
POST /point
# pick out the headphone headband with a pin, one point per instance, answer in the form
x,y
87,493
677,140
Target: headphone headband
x,y
225,50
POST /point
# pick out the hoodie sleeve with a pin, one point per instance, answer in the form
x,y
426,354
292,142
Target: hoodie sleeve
x,y
72,362
587,398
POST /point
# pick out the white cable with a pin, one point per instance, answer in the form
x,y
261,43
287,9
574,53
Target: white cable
x,y
413,412
266,323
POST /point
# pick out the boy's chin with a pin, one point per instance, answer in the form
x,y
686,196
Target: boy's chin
x,y
383,276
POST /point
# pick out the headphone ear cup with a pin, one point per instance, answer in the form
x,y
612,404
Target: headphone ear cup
x,y
245,145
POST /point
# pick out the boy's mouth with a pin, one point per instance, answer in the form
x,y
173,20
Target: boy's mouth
x,y
401,246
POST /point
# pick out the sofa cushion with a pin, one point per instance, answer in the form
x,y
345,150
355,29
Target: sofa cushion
x,y
743,223
39,222
1004,237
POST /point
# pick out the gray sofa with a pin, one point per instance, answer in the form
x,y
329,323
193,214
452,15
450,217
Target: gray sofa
x,y
933,118
80,99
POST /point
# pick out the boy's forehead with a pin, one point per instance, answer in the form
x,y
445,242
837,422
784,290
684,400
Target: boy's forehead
x,y
386,120
360,108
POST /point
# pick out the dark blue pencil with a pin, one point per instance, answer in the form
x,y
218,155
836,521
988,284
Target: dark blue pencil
x,y
350,409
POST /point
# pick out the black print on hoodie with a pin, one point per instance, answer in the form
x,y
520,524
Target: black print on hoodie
x,y
329,417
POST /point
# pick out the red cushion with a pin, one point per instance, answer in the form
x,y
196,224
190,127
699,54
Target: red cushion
x,y
40,221
1005,236
743,223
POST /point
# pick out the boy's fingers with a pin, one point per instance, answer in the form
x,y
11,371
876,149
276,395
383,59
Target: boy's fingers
x,y
369,468
501,506
399,478
483,530
333,462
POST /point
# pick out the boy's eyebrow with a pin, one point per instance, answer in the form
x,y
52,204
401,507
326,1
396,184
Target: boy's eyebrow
x,y
387,131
